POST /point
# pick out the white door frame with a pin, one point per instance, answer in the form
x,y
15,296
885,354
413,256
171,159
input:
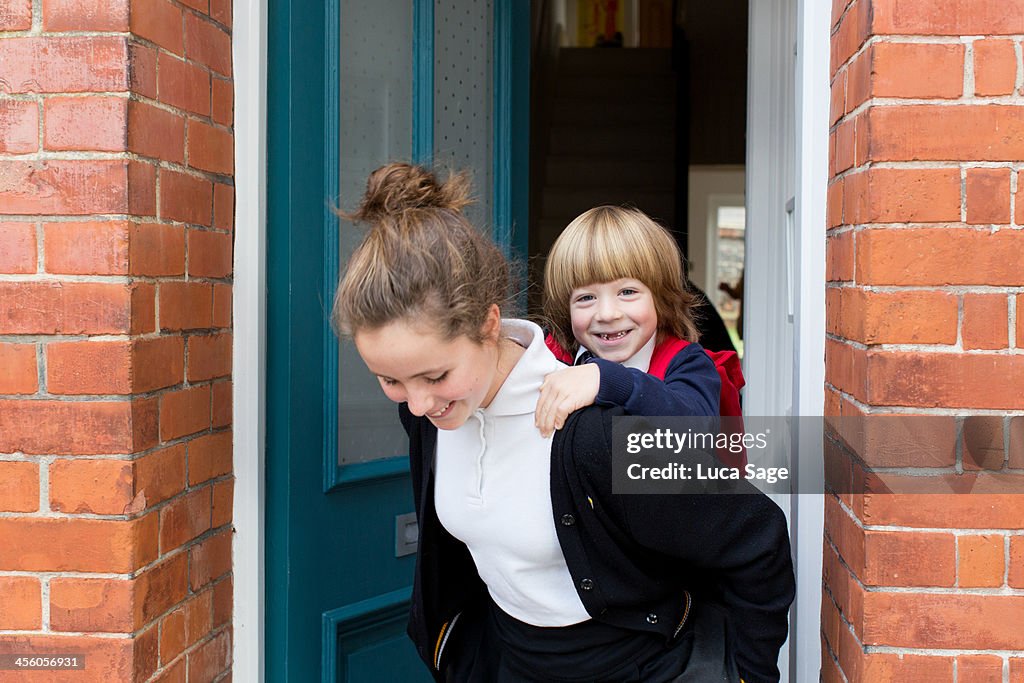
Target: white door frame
x,y
249,50
787,173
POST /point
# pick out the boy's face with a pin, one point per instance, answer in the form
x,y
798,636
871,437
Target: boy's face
x,y
613,320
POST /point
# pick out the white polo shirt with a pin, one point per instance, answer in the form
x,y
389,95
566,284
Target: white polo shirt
x,y
492,491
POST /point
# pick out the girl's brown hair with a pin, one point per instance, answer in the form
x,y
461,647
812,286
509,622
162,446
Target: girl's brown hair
x,y
421,258
609,243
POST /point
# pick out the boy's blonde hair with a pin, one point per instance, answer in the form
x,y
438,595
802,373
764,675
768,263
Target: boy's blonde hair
x,y
610,243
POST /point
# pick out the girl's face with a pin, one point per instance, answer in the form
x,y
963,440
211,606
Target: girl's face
x,y
613,320
443,379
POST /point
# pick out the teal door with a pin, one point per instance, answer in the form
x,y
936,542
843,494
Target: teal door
x,y
351,85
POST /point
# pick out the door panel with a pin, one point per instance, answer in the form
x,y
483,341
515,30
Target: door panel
x,y
351,85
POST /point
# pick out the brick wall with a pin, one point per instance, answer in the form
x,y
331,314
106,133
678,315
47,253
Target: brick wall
x,y
924,315
116,223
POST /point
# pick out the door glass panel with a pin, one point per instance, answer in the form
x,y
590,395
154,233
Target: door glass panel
x,y
463,96
376,127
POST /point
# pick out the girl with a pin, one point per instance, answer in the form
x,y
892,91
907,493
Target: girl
x,y
529,569
614,293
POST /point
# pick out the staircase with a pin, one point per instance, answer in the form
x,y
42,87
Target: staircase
x,y
612,136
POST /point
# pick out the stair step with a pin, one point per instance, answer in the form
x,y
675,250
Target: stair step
x,y
602,110
612,60
571,201
628,172
639,89
603,141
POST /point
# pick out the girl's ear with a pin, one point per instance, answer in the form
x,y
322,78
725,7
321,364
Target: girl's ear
x,y
491,329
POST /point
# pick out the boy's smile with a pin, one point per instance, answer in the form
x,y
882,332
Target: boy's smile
x,y
613,320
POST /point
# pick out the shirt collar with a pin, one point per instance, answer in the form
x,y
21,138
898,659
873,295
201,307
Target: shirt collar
x,y
519,393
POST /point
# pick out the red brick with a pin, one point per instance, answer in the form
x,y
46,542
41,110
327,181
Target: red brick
x,y
223,499
222,404
161,474
63,64
19,127
63,308
942,133
980,562
886,195
161,587
201,5
19,489
210,659
19,254
210,149
92,605
995,67
107,659
84,123
942,621
985,321
945,380
80,15
142,188
220,11
209,356
157,363
988,195
893,558
1016,573
223,206
143,304
85,545
209,254
157,250
76,428
64,186
184,85
172,637
184,412
223,102
15,15
207,44
158,21
88,367
209,456
845,368
917,70
979,669
896,317
142,70
845,145
21,603
948,17
1016,670
853,31
19,372
222,602
155,132
86,248
1015,446
940,256
839,257
185,518
982,442
858,80
222,307
1019,309
185,305
102,487
185,198
210,560
837,99
198,618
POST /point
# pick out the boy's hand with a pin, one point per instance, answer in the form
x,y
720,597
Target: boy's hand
x,y
564,391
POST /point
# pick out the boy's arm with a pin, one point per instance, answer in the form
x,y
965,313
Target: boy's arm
x,y
691,387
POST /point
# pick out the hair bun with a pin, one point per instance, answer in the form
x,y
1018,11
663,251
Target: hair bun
x,y
398,187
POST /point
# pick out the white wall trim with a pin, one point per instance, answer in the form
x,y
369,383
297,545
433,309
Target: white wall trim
x,y
249,50
812,118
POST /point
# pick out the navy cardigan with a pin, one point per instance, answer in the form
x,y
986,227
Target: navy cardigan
x,y
636,560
